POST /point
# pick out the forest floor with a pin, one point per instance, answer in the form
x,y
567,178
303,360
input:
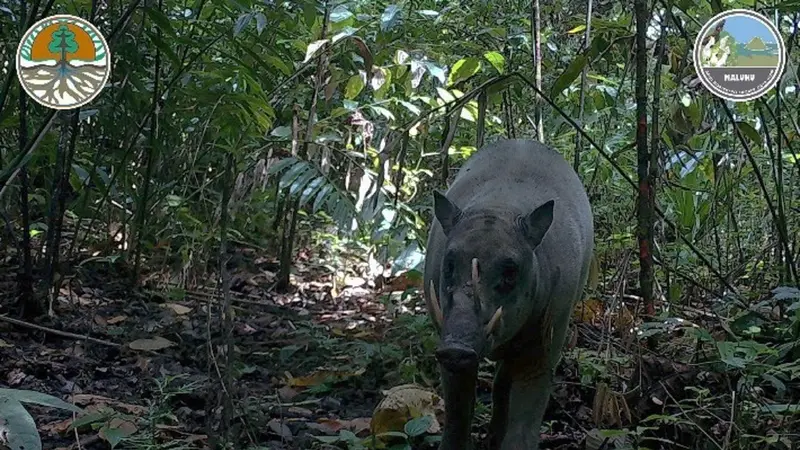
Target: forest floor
x,y
313,362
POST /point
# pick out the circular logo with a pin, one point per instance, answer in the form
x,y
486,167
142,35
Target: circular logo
x,y
739,55
63,62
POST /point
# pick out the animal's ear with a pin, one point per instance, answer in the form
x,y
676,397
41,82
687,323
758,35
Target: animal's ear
x,y
536,223
447,213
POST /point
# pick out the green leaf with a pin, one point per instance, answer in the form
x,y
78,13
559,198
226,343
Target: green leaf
x,y
281,132
749,132
435,70
340,13
418,426
295,171
322,197
311,189
161,21
261,22
568,76
19,426
497,61
463,69
389,17
354,87
37,398
301,182
242,22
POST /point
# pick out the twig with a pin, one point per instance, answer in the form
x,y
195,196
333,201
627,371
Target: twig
x,y
66,334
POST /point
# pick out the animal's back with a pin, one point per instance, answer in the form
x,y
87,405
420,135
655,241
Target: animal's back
x,y
518,176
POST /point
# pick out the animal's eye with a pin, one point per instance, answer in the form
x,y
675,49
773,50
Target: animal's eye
x,y
508,278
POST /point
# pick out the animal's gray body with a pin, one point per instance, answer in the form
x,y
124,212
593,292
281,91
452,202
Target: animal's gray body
x,y
518,209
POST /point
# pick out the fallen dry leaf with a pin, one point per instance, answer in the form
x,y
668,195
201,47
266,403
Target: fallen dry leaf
x,y
403,403
178,308
156,343
323,376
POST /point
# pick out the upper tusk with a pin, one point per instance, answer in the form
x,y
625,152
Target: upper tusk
x,y
493,322
437,309
474,271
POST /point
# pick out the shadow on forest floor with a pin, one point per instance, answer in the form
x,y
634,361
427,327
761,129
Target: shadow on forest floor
x,y
312,362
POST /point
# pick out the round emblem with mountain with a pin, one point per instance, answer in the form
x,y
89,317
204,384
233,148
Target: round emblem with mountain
x,y
63,62
739,55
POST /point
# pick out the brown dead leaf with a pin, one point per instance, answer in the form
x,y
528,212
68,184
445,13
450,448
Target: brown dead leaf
x,y
57,427
403,403
327,426
116,319
178,308
588,311
324,376
156,343
121,427
89,400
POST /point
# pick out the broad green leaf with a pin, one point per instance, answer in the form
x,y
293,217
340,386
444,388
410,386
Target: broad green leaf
x,y
295,171
300,182
19,427
261,22
445,95
435,70
37,398
568,76
354,86
418,426
311,189
389,17
340,13
497,61
282,164
463,69
281,132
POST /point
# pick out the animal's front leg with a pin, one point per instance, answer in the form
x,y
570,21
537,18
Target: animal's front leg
x,y
500,400
459,403
529,394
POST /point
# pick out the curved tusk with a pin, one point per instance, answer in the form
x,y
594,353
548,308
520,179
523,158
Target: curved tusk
x,y
437,309
474,271
493,322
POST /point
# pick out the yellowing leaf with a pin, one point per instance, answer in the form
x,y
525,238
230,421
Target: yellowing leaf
x,y
577,29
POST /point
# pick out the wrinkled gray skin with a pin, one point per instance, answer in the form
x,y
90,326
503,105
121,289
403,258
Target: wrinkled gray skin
x,y
520,209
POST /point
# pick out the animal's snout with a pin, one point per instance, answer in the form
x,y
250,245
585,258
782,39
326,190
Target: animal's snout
x,y
455,356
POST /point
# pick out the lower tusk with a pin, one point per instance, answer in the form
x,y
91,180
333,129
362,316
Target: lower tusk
x,y
437,309
493,323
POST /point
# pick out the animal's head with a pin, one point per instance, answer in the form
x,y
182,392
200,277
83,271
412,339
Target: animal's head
x,y
488,274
